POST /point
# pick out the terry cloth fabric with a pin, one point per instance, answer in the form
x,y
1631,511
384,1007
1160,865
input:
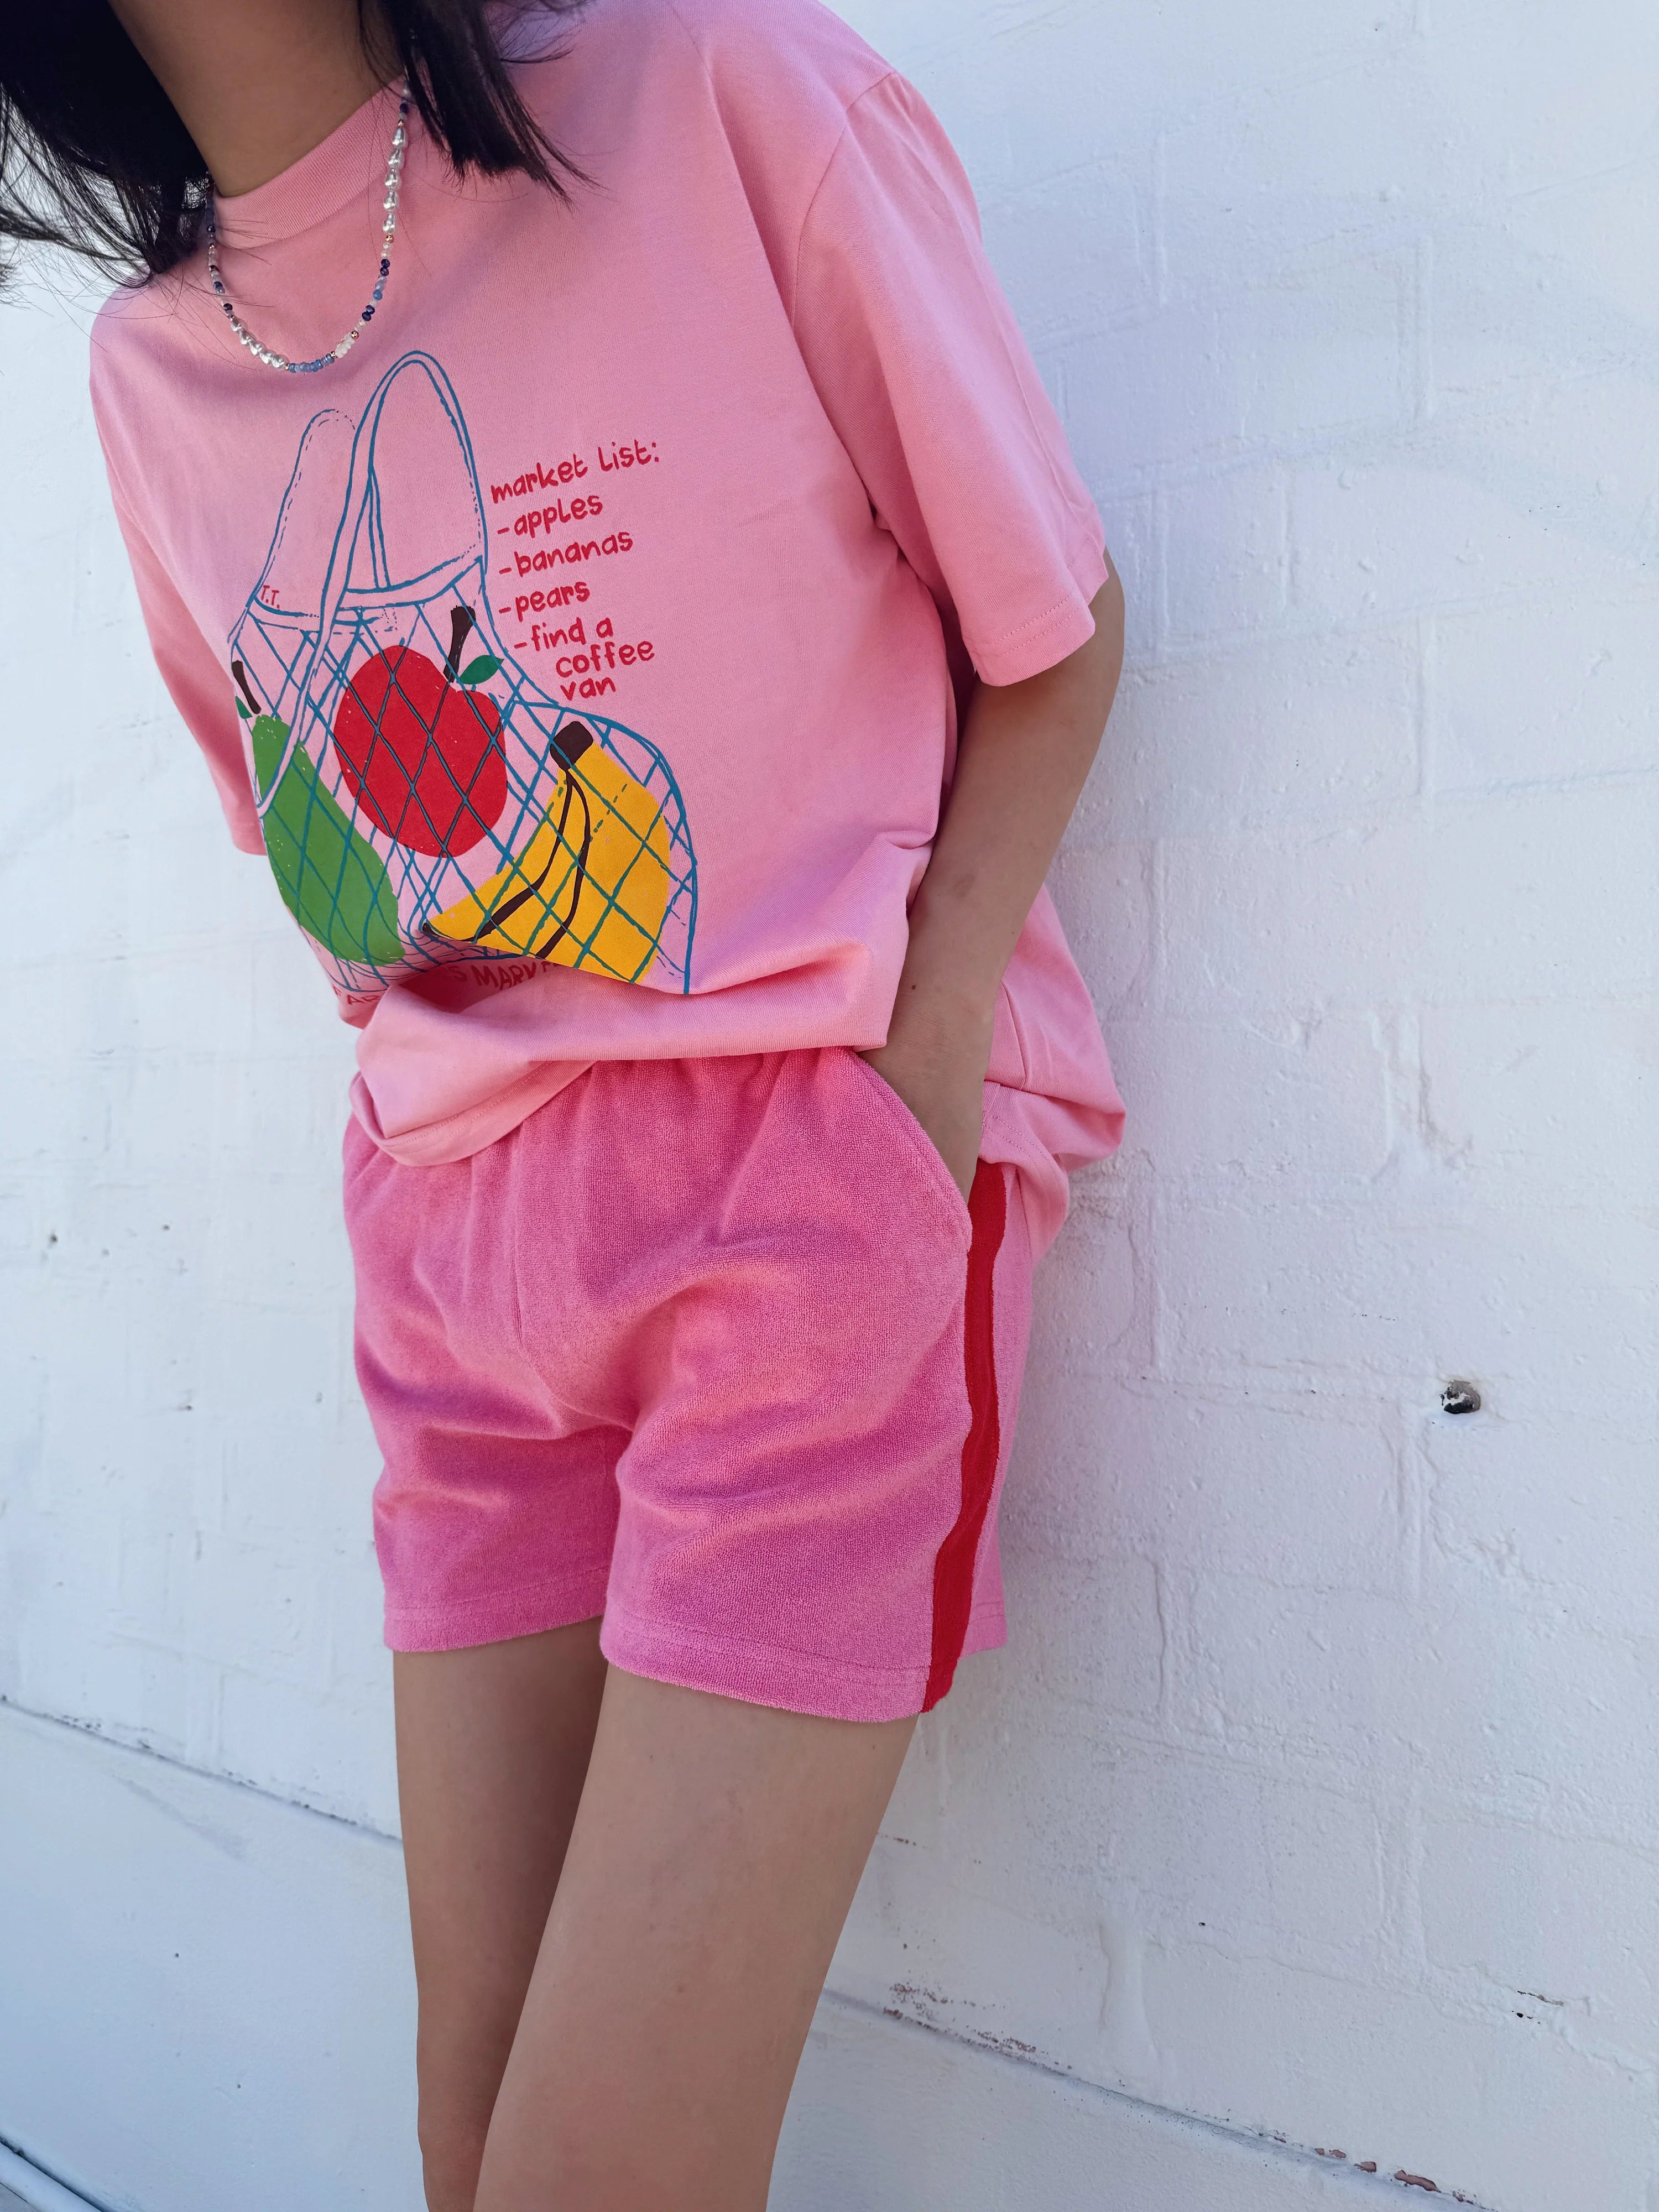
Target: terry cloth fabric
x,y
715,1349
585,648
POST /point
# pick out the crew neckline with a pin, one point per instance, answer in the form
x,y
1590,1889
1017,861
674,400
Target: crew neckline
x,y
354,155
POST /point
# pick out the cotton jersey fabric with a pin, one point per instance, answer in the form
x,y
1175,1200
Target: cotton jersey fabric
x,y
585,648
714,1349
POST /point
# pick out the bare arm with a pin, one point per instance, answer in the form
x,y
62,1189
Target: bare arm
x,y
1024,752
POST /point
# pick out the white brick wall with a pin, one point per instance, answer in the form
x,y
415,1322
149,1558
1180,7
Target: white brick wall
x,y
1316,1793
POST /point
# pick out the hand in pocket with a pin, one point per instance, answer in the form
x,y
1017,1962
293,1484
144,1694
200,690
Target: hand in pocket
x,y
940,1073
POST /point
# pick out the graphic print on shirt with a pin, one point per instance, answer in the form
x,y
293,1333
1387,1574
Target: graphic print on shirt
x,y
422,799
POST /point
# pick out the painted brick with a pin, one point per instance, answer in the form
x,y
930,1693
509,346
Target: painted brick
x,y
1541,1716
1043,1984
1095,1295
321,1747
1280,1101
1468,905
1559,97
1570,1081
1561,1516
1544,691
1346,153
1230,581
1054,76
1532,1304
1390,2074
1321,349
1104,899
1100,1639
1577,457
1276,731
1316,1673
1202,1484
1529,1712
1132,536
1311,1857
1505,317
1605,232
1557,1927
1472,514
1070,245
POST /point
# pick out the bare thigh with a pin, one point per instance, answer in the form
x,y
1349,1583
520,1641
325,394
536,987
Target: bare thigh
x,y
714,1859
493,1745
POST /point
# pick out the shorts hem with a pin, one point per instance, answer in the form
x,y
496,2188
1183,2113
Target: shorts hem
x,y
987,1631
500,1616
762,1674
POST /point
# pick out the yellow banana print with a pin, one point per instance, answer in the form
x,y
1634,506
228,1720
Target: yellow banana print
x,y
590,888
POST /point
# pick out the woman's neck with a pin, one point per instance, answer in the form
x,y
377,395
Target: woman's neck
x,y
258,82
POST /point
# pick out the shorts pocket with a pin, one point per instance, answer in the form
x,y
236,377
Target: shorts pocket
x,y
917,1143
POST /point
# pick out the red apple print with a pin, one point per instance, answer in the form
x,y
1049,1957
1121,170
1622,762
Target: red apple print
x,y
421,752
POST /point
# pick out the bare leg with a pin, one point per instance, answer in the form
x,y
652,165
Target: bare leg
x,y
492,1748
714,1858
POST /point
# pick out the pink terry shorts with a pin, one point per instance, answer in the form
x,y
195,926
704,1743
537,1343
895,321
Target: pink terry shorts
x,y
714,1349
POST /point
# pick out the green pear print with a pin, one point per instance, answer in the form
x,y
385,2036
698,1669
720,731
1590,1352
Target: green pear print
x,y
332,881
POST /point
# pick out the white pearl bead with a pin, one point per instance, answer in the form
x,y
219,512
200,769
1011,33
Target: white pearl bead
x,y
245,337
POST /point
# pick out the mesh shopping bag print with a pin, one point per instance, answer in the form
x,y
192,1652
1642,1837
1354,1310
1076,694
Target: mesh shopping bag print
x,y
422,799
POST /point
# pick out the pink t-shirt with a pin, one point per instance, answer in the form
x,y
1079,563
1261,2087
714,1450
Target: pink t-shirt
x,y
583,649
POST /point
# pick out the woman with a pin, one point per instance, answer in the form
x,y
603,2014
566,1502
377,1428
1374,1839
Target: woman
x,y
588,499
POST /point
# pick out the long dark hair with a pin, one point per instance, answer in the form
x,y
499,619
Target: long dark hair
x,y
93,156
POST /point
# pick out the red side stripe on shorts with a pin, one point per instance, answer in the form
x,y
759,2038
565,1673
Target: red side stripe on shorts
x,y
953,1569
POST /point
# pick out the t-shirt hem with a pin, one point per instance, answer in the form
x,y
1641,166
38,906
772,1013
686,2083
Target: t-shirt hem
x,y
437,1144
1048,638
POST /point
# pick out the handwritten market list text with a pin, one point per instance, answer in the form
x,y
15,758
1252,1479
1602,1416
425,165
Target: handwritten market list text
x,y
560,520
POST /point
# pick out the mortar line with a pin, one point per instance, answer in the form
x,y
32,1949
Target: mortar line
x,y
19,2171
260,1790
1340,2171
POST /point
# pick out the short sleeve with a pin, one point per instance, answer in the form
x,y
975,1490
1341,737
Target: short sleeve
x,y
920,366
198,684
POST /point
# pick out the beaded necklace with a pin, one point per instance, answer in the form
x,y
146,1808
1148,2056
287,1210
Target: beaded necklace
x,y
266,353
